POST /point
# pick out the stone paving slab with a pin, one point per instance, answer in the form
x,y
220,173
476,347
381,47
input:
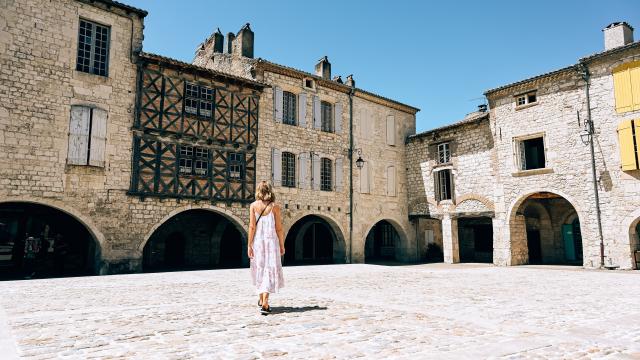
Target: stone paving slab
x,y
339,311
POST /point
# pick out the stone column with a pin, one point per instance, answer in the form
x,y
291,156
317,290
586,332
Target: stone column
x,y
518,241
450,245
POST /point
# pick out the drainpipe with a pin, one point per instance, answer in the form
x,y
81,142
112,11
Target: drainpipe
x,y
583,70
351,93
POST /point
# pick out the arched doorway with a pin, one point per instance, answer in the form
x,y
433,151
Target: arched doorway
x,y
545,229
192,240
41,241
382,243
312,240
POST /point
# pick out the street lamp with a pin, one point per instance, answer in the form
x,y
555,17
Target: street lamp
x,y
359,161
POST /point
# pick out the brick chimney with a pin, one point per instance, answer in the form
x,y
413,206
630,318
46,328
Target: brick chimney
x,y
617,34
323,68
245,41
218,42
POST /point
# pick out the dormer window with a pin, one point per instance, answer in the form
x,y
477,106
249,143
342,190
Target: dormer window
x,y
526,98
444,154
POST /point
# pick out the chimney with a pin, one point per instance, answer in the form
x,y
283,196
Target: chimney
x,y
338,79
350,81
245,41
323,68
230,39
218,42
617,34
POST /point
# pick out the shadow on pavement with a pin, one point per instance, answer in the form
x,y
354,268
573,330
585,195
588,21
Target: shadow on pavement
x,y
289,309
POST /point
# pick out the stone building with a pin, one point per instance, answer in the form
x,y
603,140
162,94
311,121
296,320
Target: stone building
x,y
117,160
525,167
313,129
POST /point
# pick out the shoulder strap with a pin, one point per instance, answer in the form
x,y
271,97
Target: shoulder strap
x,y
261,213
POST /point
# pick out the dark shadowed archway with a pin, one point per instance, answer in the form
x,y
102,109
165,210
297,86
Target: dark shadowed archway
x,y
382,243
195,239
313,240
41,241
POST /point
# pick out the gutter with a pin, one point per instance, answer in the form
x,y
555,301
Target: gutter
x,y
351,94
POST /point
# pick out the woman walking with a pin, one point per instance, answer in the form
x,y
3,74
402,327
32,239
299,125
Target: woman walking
x,y
266,245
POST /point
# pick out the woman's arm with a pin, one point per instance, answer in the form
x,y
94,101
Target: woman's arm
x,y
252,226
279,230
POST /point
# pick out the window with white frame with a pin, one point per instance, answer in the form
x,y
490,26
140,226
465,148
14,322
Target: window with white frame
x,y
443,184
87,136
326,175
198,100
93,48
526,98
288,169
236,165
288,108
530,153
444,153
193,161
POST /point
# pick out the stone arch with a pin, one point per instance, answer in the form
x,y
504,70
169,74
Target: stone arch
x,y
547,236
236,221
402,235
86,221
467,197
630,225
340,250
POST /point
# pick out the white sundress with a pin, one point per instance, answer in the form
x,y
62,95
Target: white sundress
x,y
266,265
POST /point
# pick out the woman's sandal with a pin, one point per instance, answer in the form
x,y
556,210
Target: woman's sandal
x,y
266,311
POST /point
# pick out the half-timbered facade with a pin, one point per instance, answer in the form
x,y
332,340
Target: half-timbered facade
x,y
195,133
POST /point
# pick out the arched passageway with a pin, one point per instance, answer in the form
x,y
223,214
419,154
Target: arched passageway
x,y
634,241
382,243
193,240
41,241
545,229
475,238
312,240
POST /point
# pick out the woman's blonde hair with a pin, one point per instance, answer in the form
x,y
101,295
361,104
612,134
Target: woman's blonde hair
x,y
264,191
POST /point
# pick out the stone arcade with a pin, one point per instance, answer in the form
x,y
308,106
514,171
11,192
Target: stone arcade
x,y
117,160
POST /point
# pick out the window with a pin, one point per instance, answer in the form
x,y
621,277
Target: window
x,y
531,154
236,165
194,161
198,100
93,48
288,169
444,155
87,136
626,85
629,142
391,130
443,185
325,175
289,108
391,181
326,114
309,84
528,98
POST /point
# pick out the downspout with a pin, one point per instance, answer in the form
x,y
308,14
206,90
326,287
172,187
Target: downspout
x,y
584,73
351,92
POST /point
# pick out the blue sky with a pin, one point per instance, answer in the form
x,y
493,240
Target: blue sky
x,y
437,56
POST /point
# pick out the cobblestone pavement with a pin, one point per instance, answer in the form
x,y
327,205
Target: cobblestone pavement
x,y
338,311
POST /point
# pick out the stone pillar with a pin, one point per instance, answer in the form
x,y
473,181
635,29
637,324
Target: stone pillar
x,y
501,248
450,245
518,241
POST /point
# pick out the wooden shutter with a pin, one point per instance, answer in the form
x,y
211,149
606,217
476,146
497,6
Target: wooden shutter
x,y
634,77
302,109
98,137
391,181
361,123
391,130
622,90
339,174
628,153
364,179
277,104
78,151
303,171
338,117
317,117
315,166
522,155
436,185
276,166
